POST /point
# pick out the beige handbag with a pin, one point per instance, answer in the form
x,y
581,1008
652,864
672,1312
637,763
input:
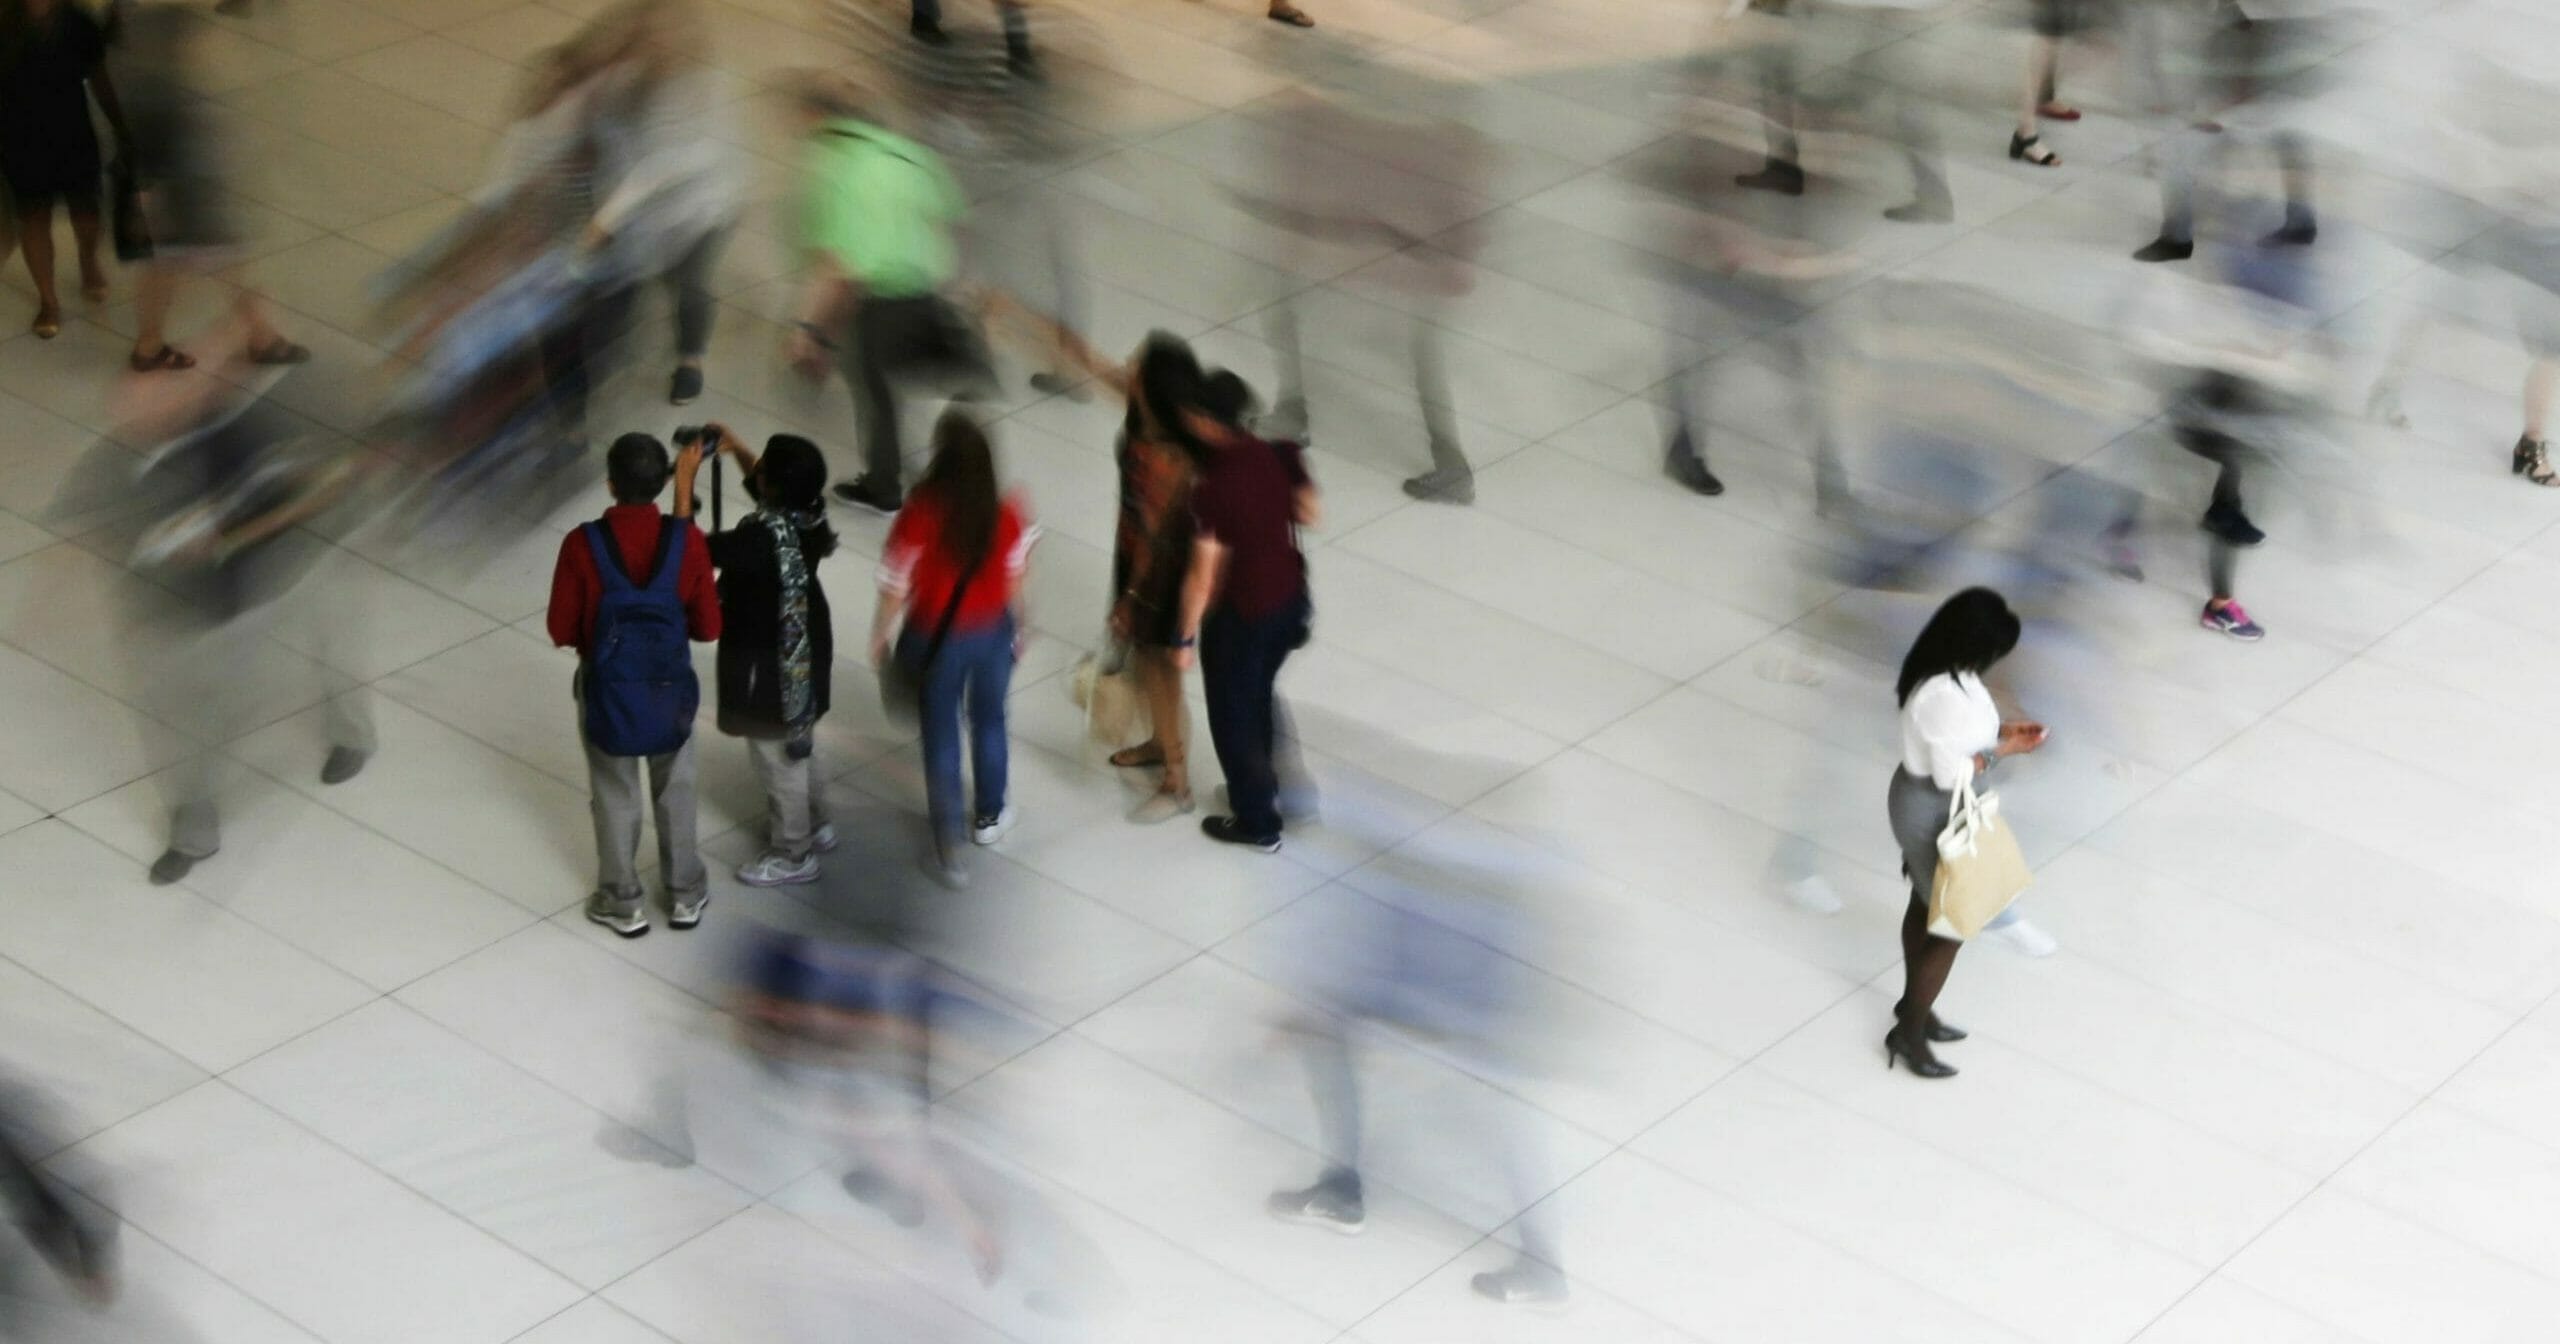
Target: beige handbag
x,y
1106,690
1980,869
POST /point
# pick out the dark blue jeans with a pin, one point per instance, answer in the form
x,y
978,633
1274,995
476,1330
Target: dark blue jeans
x,y
976,666
1240,661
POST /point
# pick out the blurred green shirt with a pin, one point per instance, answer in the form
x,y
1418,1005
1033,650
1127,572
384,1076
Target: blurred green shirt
x,y
881,205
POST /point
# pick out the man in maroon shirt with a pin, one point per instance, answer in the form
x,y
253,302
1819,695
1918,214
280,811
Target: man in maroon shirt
x,y
1245,607
637,469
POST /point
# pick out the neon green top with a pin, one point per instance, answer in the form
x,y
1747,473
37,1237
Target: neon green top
x,y
881,205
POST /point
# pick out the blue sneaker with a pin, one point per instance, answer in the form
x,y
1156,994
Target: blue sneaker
x,y
2232,619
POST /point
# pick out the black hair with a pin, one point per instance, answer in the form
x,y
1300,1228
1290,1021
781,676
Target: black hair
x,y
1169,382
1227,398
637,467
962,477
1972,631
792,476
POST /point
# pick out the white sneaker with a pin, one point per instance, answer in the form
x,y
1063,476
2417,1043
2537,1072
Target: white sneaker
x,y
823,839
779,870
2025,939
1813,895
988,830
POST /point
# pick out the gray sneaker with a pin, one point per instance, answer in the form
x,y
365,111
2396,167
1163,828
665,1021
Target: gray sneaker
x,y
685,910
1525,1284
1323,1205
780,870
823,839
625,915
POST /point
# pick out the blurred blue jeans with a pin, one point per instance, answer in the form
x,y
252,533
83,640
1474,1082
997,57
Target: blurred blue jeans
x,y
974,672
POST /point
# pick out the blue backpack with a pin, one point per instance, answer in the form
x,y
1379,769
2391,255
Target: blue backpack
x,y
639,685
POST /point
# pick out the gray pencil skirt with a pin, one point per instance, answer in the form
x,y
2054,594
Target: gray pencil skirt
x,y
1917,808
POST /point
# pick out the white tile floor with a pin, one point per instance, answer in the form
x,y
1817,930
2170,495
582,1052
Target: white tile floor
x,y
364,1077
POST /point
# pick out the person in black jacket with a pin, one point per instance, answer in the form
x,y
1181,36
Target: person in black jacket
x,y
777,644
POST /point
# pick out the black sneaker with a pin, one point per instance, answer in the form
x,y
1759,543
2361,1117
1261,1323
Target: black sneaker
x,y
929,33
344,764
1682,463
1778,175
2295,233
2232,526
686,387
2165,249
860,493
1227,831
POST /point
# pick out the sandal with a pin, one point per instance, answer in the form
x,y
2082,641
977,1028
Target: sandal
x,y
1290,15
48,323
167,359
1139,757
2033,149
2058,111
2533,462
279,352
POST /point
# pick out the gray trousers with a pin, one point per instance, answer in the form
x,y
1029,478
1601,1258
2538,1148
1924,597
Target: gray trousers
x,y
1288,418
205,685
613,789
793,808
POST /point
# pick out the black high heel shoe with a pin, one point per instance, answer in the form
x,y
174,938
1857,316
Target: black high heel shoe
x,y
2533,462
1921,1063
1939,1032
2032,149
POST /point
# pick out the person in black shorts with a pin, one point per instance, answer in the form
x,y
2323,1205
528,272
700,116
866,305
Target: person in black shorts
x,y
52,56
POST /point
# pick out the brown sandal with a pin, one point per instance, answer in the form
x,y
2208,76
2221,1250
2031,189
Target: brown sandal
x,y
1139,757
1290,15
48,324
167,359
280,352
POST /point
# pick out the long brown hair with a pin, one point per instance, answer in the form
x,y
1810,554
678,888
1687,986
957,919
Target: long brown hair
x,y
961,478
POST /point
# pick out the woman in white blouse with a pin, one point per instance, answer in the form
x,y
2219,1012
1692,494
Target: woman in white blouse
x,y
1951,733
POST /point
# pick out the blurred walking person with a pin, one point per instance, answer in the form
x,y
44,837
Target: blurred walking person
x,y
777,644
1952,734
176,152
629,592
75,1237
1436,963
951,583
52,61
877,219
670,188
227,478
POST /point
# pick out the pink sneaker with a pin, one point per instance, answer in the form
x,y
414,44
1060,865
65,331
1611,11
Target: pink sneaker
x,y
2232,619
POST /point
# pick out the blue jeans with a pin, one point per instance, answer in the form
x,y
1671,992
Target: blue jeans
x,y
976,665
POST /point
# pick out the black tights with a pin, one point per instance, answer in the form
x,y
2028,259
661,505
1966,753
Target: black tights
x,y
1926,960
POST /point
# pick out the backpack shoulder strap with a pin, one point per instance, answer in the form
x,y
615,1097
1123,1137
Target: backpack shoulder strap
x,y
608,556
670,563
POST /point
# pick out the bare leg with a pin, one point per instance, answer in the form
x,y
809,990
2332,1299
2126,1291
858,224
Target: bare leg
x,y
84,233
2540,382
152,297
35,239
255,320
1166,714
